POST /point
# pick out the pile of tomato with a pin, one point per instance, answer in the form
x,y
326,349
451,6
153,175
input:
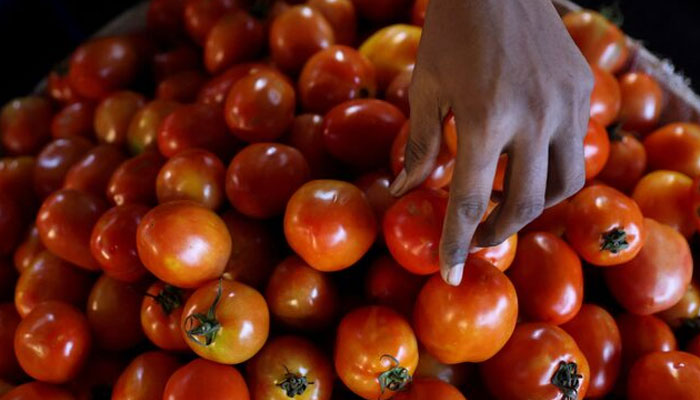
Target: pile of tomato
x,y
202,211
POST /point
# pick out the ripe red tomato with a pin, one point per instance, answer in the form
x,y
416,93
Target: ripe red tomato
x,y
25,125
200,16
375,352
25,252
381,11
134,181
11,224
181,58
605,226
642,334
192,174
666,197
181,86
375,185
386,283
38,391
113,311
113,115
549,363
9,319
161,312
695,202
103,65
340,14
501,255
16,181
195,125
601,42
207,380
418,12
75,119
235,37
98,376
665,376
334,75
676,147
59,89
596,148
306,135
54,161
260,106
392,50
52,343
290,366
455,374
412,228
296,34
113,242
626,163
65,222
50,278
215,90
657,277
330,224
164,18
301,297
687,309
428,389
142,133
145,377
263,176
475,319
183,243
605,98
548,278
441,175
225,321
642,100
397,92
91,173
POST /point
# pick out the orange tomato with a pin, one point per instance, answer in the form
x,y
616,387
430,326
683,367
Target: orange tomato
x,y
429,389
392,50
601,42
605,98
676,147
666,196
596,148
641,102
626,163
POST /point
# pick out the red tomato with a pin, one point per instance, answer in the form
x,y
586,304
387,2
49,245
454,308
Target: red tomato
x,y
25,252
200,16
290,366
330,224
53,342
38,391
54,161
103,65
17,181
642,334
11,224
59,89
418,12
192,174
65,222
142,133
454,374
397,92
9,319
605,226
601,42
25,125
235,37
428,389
145,377
642,100
263,176
501,255
164,18
605,98
181,86
98,376
75,119
296,34
381,11
657,277
392,50
687,309
195,125
665,376
676,147
695,202
340,14
441,175
375,185
113,115
549,363
113,242
666,197
260,107
301,297
596,148
626,163
334,75
50,278
548,278
475,319
375,352
183,244
182,58
91,173
412,228
306,135
388,284
225,321
207,380
161,311
214,91
134,181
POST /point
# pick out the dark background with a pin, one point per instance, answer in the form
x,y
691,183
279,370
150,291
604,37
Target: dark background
x,y
36,34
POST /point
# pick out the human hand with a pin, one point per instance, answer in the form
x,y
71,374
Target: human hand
x,y
516,83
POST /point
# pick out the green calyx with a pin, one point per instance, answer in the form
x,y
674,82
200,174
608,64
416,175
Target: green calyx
x,y
396,378
614,240
293,384
567,379
169,298
202,328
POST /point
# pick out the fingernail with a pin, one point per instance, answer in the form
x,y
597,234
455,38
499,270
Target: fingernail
x,y
454,275
398,184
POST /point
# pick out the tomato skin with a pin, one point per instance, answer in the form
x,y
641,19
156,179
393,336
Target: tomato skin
x,y
52,343
208,380
192,174
501,255
58,89
65,222
412,228
548,278
427,389
145,377
386,283
392,50
9,319
641,335
364,337
290,354
430,368
666,197
25,252
665,376
134,180
296,34
263,176
642,101
375,185
594,214
38,391
441,175
214,91
181,86
316,215
50,278
142,133
25,125
397,91
113,242
340,14
605,98
626,163
695,202
306,135
687,308
243,317
601,42
16,181
301,297
596,148
92,172
477,319
113,115
535,351
165,238
237,36
184,57
75,119
164,18
418,12
98,376
381,11
200,16
675,147
54,161
195,125
10,221
657,277
161,311
693,347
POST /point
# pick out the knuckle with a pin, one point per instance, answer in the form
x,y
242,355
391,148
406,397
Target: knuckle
x,y
471,208
528,209
453,249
